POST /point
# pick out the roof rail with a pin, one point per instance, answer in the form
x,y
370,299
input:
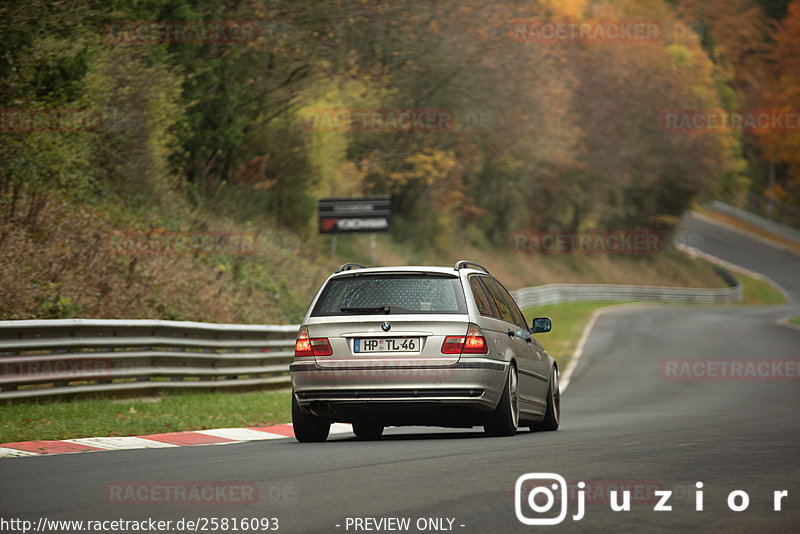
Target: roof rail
x,y
460,264
349,266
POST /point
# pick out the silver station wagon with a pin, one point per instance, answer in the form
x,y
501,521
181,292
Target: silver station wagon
x,y
436,346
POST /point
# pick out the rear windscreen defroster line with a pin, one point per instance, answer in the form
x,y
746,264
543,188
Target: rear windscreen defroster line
x,y
386,294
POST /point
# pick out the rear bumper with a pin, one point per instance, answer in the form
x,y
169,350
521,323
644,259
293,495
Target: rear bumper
x,y
457,395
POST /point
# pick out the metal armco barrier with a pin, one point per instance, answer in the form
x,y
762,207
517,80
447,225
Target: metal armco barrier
x,y
68,356
556,293
753,218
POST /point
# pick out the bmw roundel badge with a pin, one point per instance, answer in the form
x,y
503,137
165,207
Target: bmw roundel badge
x,y
386,327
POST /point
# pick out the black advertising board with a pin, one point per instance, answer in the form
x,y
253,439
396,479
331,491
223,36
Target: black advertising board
x,y
352,215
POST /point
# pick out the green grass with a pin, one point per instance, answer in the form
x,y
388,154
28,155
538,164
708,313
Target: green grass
x,y
90,417
757,292
569,320
795,320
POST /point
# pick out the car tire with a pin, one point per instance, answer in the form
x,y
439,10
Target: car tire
x,y
503,421
552,416
308,427
366,430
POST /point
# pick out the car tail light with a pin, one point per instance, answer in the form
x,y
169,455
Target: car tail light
x,y
305,346
453,345
320,346
473,343
302,345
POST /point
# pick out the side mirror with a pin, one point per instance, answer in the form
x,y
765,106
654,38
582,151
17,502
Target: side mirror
x,y
541,324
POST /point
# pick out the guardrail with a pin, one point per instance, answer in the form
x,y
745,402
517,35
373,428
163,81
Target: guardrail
x,y
69,356
753,218
556,293
774,210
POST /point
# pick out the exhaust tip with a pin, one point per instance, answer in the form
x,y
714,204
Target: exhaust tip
x,y
321,408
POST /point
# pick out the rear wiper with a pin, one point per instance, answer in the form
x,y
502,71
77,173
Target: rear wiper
x,y
370,309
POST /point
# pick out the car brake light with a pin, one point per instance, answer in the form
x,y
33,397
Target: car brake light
x,y
473,343
305,346
453,345
302,345
320,346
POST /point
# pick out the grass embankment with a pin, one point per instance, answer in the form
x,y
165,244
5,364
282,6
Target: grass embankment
x,y
67,263
757,292
86,417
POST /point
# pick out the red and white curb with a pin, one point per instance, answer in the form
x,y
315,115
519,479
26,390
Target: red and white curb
x,y
220,436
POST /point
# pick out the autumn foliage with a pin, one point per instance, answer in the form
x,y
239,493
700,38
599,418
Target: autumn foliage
x,y
549,133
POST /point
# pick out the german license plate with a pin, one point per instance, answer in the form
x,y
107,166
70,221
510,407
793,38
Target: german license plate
x,y
387,344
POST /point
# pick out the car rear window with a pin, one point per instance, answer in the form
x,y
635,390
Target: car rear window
x,y
402,293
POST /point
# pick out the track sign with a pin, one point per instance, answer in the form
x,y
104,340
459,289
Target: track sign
x,y
350,215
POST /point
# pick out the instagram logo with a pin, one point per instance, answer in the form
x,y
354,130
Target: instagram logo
x,y
538,493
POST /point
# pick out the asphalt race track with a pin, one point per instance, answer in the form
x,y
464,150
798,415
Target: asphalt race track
x,y
626,423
